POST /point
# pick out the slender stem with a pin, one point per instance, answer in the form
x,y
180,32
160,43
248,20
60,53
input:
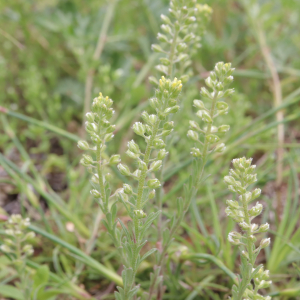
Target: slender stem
x,y
100,173
188,201
138,206
172,53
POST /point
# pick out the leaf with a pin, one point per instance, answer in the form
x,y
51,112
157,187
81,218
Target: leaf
x,y
147,254
40,277
11,292
148,222
125,230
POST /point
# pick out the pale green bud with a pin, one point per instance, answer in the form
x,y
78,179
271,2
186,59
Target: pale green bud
x,y
184,78
108,176
162,38
264,227
111,128
95,193
212,138
153,183
264,284
90,117
9,242
189,37
221,105
228,92
245,254
146,117
232,204
194,125
158,144
28,250
190,20
204,115
210,83
232,239
244,226
265,243
256,210
162,154
166,20
139,128
169,125
256,193
143,166
29,236
181,47
220,148
223,128
165,61
199,104
95,178
205,93
114,159
172,110
83,145
91,127
127,189
152,119
196,152
246,197
156,165
137,173
153,80
152,194
193,135
133,147
86,161
124,170
140,214
109,137
157,48
229,180
228,80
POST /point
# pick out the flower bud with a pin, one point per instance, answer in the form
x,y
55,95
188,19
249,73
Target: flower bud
x,y
91,127
143,166
95,194
181,47
204,115
162,38
256,210
228,92
193,135
194,125
172,110
127,189
244,226
232,203
137,173
264,284
196,152
212,138
205,93
264,227
166,20
87,160
154,103
153,183
83,145
132,155
228,80
152,194
146,117
140,214
223,128
114,159
184,78
5,248
139,128
156,48
156,165
29,236
256,193
169,125
124,170
229,180
133,147
220,148
158,144
265,243
162,154
221,105
199,104
210,83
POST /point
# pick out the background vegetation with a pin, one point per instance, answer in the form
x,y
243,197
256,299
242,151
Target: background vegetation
x,y
57,55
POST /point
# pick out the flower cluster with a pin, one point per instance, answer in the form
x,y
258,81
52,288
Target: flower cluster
x,y
180,34
154,130
238,181
216,82
17,241
100,131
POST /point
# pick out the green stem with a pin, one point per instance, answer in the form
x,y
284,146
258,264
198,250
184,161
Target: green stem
x,y
188,202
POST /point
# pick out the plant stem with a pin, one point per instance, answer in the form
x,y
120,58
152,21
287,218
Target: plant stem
x,y
188,201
